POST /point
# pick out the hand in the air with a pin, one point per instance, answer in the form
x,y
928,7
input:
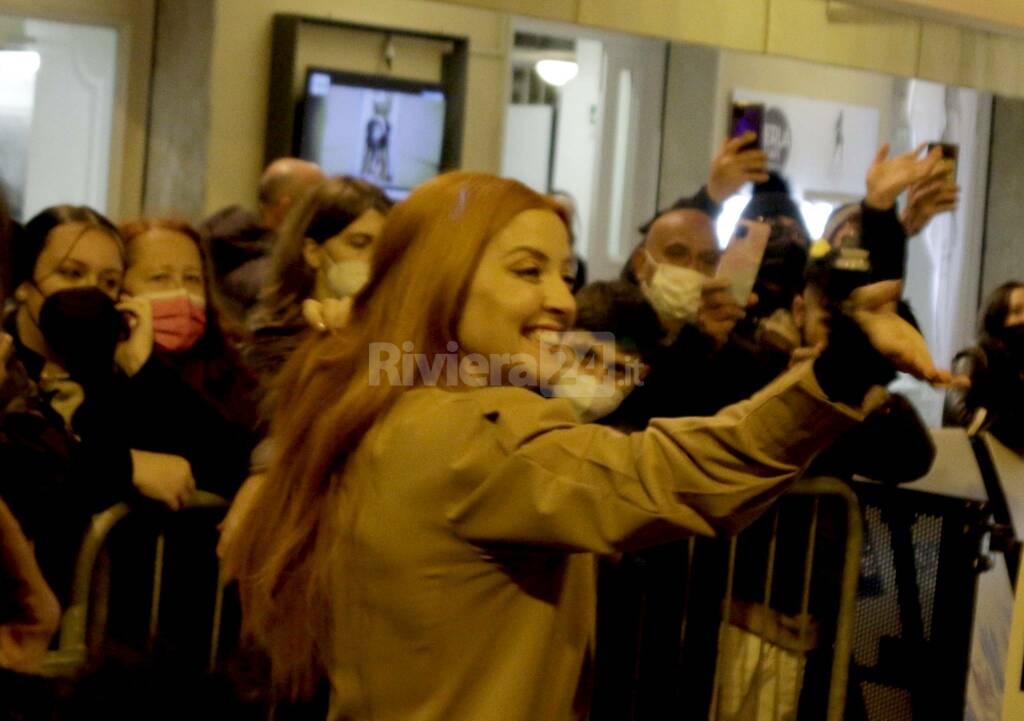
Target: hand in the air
x,y
888,177
733,167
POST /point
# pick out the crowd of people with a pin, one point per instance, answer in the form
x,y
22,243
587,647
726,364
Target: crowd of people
x,y
433,428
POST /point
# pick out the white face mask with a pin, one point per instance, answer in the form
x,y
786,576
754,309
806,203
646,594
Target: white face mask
x,y
347,277
591,399
673,292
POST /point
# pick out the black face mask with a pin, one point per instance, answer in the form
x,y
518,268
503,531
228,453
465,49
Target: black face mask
x,y
1013,338
82,329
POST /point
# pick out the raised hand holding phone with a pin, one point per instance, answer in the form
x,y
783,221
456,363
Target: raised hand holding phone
x,y
747,118
888,177
736,164
950,157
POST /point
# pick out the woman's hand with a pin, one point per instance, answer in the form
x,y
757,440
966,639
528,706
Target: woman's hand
x,y
327,314
133,353
888,177
163,477
873,308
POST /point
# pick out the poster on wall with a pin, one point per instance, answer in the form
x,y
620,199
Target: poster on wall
x,y
820,146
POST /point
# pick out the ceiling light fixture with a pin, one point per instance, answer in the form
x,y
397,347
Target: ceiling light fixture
x,y
557,72
19,63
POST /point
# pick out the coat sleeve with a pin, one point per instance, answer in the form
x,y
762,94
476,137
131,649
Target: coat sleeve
x,y
892,445
960,404
885,238
167,416
590,488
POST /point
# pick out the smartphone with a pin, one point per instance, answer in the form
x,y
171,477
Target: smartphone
x,y
950,156
741,260
747,117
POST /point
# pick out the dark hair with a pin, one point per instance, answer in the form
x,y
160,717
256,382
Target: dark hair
x,y
324,210
997,307
619,308
783,269
29,243
772,199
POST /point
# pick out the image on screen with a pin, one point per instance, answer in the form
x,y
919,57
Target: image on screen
x,y
388,133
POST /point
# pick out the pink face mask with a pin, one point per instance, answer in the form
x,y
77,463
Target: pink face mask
x,y
179,319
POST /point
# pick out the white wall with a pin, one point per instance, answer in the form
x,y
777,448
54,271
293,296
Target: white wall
x,y
944,263
527,150
577,148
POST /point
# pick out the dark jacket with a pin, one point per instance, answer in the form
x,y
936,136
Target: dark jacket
x,y
221,378
997,385
56,475
691,377
885,239
239,250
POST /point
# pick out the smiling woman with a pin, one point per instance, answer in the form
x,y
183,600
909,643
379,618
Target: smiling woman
x,y
521,292
430,547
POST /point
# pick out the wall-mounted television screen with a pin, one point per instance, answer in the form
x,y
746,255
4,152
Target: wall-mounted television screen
x,y
388,132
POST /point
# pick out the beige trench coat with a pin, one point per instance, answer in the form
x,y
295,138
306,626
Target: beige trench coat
x,y
469,592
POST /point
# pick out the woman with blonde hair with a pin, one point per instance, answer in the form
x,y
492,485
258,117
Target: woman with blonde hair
x,y
426,538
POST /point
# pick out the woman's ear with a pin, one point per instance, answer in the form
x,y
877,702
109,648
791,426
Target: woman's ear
x,y
639,261
312,253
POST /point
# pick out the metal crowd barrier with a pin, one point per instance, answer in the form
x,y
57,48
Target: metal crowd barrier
x,y
84,621
755,627
766,693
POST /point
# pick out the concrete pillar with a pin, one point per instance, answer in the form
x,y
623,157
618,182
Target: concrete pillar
x,y
1003,259
176,157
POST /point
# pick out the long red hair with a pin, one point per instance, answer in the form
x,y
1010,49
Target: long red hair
x,y
424,262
